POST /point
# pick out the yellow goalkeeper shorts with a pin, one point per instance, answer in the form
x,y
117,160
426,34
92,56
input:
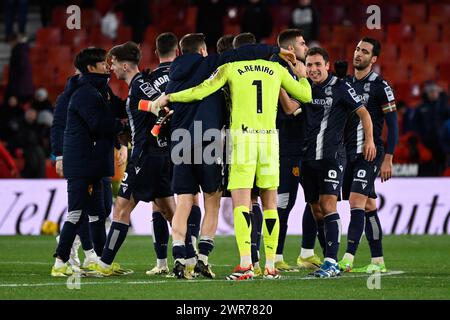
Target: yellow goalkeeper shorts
x,y
253,159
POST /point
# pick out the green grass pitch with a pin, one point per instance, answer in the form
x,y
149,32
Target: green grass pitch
x,y
419,268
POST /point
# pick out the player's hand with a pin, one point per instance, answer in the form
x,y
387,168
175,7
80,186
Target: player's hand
x,y
162,101
59,168
386,168
122,156
299,69
154,106
369,151
287,55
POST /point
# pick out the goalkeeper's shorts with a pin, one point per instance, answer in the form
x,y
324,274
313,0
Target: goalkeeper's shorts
x,y
252,160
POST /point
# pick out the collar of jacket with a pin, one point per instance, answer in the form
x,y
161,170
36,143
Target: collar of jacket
x,y
98,80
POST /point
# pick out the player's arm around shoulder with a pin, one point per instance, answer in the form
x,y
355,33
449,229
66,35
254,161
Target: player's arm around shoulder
x,y
301,89
216,81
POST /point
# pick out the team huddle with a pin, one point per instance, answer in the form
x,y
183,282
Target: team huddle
x,y
251,121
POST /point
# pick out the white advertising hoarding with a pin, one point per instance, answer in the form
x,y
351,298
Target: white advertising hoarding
x,y
406,206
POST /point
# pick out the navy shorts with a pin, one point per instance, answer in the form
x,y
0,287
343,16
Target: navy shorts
x,y
147,178
360,175
322,177
190,172
189,178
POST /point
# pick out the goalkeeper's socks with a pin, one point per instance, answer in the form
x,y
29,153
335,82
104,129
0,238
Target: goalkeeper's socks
x,y
160,235
309,228
332,235
242,230
271,231
117,234
84,234
355,229
98,234
374,233
178,250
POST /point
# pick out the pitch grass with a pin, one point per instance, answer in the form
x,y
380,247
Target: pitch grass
x,y
25,264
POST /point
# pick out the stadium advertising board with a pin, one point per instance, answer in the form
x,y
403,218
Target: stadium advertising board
x,y
407,206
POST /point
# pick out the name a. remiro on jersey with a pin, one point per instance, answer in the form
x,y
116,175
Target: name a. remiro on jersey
x,y
255,68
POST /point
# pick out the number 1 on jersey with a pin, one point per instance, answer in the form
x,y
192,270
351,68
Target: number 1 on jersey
x,y
258,84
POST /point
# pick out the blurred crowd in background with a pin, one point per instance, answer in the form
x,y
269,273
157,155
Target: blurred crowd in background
x,y
29,87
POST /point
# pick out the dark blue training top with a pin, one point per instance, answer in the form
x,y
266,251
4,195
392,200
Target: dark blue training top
x,y
141,123
326,116
379,100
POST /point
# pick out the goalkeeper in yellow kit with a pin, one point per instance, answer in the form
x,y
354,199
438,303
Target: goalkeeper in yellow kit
x,y
254,87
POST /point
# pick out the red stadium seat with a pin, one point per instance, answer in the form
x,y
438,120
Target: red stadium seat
x,y
5,75
378,34
59,17
426,33
404,91
356,13
59,53
90,18
390,13
325,33
124,34
98,39
439,13
394,71
63,71
103,6
438,52
399,33
48,36
421,72
332,14
38,54
343,34
414,13
233,29
446,33
191,18
412,52
147,55
74,37
389,52
444,71
281,15
43,74
150,36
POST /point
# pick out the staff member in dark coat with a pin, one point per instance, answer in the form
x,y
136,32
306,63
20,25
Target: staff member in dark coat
x,y
88,147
